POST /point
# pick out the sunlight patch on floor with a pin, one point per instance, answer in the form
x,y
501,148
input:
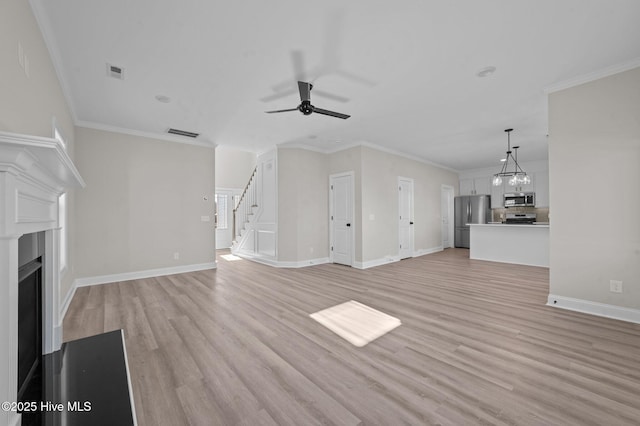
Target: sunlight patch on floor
x,y
356,323
230,257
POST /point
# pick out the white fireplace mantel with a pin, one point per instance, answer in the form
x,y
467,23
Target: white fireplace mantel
x,y
34,172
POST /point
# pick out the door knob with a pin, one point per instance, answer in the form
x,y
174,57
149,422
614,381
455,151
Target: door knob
x,y
348,224
410,223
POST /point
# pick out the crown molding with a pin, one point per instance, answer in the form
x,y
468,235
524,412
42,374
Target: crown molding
x,y
592,76
370,145
407,156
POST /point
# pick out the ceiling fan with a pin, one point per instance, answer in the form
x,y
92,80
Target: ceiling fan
x,y
305,107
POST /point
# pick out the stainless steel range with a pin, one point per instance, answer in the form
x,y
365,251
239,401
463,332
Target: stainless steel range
x,y
520,218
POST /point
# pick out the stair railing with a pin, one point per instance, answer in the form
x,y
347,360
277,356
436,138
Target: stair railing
x,y
245,205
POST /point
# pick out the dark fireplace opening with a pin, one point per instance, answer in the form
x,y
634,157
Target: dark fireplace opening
x,y
30,322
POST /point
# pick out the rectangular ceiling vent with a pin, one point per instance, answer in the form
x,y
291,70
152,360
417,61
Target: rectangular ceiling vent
x,y
115,71
183,133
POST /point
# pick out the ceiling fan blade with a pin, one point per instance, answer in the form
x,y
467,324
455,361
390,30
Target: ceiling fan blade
x,y
299,72
282,110
305,91
278,95
331,96
331,113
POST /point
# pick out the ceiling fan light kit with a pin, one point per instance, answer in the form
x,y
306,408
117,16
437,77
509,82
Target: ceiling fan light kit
x,y
305,106
517,176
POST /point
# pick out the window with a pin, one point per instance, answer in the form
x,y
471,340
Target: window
x,y
62,209
62,219
221,211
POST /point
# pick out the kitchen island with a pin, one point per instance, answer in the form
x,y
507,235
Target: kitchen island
x,y
508,243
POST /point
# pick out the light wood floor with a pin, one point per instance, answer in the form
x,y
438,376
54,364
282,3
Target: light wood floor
x,y
477,345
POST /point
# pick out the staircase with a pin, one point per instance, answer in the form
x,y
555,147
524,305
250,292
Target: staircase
x,y
245,209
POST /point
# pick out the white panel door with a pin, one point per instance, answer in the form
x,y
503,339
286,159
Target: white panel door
x,y
447,216
405,209
341,218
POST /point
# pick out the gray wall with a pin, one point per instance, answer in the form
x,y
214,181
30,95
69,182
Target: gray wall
x,y
303,224
380,171
303,205
28,104
594,172
143,202
233,167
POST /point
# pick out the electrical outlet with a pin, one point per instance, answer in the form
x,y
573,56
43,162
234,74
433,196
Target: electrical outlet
x,y
176,256
615,286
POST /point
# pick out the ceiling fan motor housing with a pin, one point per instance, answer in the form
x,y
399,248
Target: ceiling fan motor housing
x,y
306,108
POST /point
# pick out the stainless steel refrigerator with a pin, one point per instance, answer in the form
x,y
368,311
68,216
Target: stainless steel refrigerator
x,y
470,209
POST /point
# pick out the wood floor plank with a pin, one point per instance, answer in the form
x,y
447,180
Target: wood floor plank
x,y
477,345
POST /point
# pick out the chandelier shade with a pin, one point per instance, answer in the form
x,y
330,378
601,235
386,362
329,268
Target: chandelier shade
x,y
516,176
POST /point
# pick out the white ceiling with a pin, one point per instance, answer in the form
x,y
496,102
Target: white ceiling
x,y
408,68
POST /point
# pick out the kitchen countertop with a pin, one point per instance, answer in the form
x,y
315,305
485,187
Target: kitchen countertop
x,y
511,225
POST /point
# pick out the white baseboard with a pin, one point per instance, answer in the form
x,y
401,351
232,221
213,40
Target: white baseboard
x,y
432,250
57,336
282,264
376,262
302,263
318,261
390,259
265,260
67,300
594,308
136,275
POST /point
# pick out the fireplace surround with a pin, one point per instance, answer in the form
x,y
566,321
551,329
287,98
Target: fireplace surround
x,y
34,172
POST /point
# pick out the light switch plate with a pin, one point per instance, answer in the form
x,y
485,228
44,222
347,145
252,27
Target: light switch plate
x,y
615,286
205,218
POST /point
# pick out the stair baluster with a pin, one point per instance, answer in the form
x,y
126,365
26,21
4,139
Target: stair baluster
x,y
245,206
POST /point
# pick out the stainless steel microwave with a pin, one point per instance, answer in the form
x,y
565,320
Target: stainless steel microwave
x,y
520,199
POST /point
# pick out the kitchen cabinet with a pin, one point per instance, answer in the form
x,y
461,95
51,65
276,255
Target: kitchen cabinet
x,y
475,186
519,244
530,187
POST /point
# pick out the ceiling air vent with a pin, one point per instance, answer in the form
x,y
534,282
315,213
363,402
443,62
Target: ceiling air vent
x,y
115,71
183,133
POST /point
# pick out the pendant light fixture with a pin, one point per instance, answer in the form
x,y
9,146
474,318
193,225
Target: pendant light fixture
x,y
517,176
